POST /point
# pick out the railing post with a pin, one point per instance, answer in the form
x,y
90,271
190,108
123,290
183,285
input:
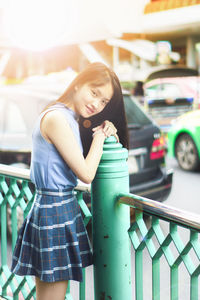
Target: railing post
x,y
111,221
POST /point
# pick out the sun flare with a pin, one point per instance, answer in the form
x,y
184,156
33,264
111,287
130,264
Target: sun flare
x,y
39,24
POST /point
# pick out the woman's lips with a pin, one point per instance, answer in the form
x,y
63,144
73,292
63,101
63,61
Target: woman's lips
x,y
90,110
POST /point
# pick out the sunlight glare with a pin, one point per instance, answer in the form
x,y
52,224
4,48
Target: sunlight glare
x,y
39,24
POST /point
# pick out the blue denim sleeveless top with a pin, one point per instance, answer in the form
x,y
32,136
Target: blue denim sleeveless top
x,y
48,169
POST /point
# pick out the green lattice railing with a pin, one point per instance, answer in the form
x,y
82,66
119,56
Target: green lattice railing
x,y
170,236
16,197
166,245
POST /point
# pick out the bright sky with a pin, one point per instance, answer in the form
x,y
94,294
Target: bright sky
x,y
39,24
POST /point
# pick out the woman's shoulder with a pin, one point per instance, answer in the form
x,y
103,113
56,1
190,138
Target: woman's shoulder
x,y
59,113
61,107
53,117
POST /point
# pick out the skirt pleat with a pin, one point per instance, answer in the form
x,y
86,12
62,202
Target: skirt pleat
x,y
53,243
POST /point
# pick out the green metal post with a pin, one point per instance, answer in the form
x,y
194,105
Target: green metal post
x,y
111,221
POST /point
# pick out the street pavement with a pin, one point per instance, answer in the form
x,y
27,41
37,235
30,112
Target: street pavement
x,y
185,192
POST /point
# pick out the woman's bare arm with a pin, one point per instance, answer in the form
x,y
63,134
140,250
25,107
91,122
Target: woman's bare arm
x,y
56,130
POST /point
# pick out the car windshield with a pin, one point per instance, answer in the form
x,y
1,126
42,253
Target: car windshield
x,y
162,91
135,115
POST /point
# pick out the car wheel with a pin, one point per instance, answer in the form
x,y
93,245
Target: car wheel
x,y
186,153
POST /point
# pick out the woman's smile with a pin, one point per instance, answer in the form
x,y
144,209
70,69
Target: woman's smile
x,y
90,110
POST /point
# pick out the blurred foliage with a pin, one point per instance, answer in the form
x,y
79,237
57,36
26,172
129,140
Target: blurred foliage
x,y
128,85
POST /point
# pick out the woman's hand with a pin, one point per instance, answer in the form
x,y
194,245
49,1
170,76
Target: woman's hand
x,y
107,128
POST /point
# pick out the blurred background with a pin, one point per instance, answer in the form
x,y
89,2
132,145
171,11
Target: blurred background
x,y
152,45
40,37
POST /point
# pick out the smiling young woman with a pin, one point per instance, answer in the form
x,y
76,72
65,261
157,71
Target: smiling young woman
x,y
90,100
53,244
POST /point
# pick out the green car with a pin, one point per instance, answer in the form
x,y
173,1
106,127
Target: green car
x,y
184,141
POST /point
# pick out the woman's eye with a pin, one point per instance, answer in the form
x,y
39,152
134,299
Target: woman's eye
x,y
104,102
94,93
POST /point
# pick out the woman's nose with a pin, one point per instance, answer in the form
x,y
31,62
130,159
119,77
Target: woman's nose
x,y
95,103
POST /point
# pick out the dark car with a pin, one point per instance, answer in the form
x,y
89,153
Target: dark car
x,y
20,106
148,174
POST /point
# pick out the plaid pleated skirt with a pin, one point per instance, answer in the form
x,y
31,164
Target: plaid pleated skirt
x,y
53,243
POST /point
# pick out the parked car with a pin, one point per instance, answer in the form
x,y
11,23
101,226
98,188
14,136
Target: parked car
x,y
20,106
170,92
184,141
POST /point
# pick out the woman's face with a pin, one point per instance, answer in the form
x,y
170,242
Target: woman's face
x,y
90,100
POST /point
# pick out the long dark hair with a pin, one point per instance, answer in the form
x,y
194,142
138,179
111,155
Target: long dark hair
x,y
99,74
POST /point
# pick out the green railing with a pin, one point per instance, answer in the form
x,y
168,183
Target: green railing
x,y
165,234
16,197
166,241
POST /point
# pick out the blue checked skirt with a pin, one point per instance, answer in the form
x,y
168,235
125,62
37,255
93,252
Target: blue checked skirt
x,y
53,243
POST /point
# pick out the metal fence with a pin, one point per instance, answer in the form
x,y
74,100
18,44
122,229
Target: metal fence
x,y
167,236
16,197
